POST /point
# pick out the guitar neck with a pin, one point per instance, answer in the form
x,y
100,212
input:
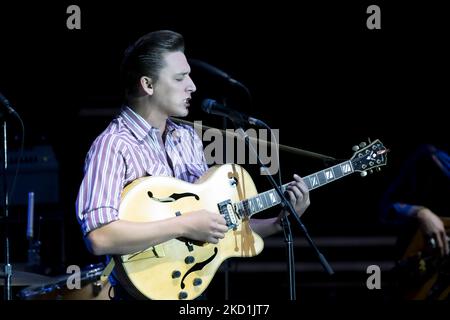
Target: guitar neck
x,y
270,198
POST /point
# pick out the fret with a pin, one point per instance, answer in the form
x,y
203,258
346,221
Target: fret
x,y
308,182
273,197
246,208
258,203
268,199
337,172
264,201
249,209
240,209
252,205
321,177
314,179
329,175
346,168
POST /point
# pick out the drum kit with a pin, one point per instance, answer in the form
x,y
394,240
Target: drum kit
x,y
40,287
29,284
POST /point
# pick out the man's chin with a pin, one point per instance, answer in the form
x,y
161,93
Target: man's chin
x,y
182,113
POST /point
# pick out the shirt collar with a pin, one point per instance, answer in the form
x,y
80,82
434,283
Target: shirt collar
x,y
139,127
171,126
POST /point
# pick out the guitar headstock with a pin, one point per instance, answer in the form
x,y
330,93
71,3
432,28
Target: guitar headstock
x,y
369,157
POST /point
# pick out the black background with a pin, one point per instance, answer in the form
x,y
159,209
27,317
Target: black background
x,y
315,72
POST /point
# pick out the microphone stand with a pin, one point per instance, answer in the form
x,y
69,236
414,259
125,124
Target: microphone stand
x,y
7,267
285,222
227,263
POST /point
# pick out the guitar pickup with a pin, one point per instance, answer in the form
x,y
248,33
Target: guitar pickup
x,y
226,209
152,252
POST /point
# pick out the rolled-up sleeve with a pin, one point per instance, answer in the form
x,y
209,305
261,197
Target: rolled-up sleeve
x,y
100,191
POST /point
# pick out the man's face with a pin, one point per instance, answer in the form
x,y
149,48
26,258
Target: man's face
x,y
173,89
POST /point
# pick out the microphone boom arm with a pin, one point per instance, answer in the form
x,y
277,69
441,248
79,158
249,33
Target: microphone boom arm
x,y
289,149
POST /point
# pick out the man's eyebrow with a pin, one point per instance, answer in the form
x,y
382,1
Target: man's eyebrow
x,y
183,73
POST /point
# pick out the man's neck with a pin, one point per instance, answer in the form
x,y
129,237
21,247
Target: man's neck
x,y
150,114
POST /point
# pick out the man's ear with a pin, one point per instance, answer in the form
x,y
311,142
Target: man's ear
x,y
146,84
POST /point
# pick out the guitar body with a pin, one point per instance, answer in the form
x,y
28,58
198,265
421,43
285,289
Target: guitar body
x,y
178,269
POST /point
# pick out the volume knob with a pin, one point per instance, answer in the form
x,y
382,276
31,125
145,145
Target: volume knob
x,y
182,295
189,259
197,281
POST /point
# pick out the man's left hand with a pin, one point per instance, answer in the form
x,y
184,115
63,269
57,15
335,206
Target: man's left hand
x,y
298,194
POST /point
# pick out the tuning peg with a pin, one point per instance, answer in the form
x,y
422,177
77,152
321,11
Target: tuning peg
x,y
363,173
362,144
378,169
371,171
355,148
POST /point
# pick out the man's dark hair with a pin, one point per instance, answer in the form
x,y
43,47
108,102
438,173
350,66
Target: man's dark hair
x,y
146,58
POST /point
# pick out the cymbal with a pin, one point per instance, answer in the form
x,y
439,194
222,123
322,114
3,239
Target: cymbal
x,y
22,278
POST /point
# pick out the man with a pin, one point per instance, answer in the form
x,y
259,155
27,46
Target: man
x,y
143,141
419,195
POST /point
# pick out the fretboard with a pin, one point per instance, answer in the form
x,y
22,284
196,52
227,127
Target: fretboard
x,y
270,198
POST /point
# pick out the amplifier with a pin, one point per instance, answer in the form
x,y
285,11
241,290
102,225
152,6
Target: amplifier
x,y
38,172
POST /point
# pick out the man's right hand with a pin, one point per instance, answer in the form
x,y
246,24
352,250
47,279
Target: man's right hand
x,y
433,227
204,226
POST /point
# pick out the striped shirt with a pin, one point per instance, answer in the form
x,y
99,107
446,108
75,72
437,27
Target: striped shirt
x,y
128,149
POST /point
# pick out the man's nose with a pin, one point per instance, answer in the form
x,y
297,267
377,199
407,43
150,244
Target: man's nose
x,y
191,87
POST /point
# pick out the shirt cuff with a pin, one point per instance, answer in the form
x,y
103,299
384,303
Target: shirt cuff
x,y
96,218
406,210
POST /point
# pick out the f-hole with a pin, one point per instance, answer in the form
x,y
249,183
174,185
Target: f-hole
x,y
199,266
173,197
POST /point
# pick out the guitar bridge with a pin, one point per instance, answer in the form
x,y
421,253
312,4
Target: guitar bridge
x,y
226,209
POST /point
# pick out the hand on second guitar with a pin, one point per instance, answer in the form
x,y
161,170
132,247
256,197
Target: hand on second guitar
x,y
433,227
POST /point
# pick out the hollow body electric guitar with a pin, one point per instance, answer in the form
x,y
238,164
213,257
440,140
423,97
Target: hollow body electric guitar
x,y
183,269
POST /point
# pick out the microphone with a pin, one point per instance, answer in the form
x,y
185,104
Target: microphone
x,y
213,107
34,259
7,105
30,219
219,73
213,70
